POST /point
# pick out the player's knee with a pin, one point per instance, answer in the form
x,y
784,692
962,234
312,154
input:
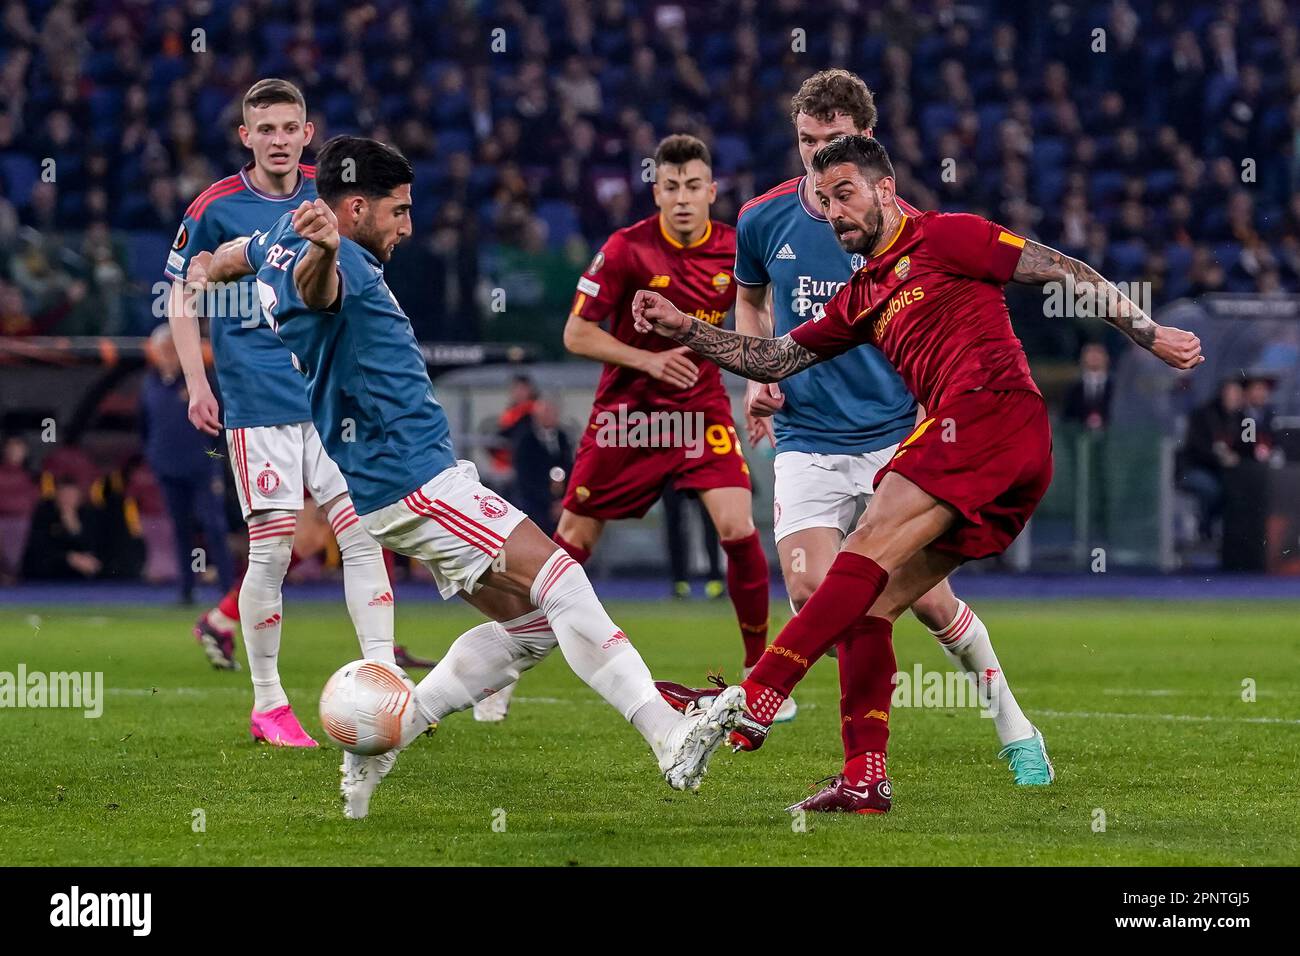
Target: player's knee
x,y
734,528
579,532
800,588
934,610
272,555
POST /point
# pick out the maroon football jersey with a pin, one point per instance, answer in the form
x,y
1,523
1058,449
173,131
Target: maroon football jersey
x,y
695,278
932,302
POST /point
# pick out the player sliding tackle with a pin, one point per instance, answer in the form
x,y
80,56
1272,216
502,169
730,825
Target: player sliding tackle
x,y
965,482
321,281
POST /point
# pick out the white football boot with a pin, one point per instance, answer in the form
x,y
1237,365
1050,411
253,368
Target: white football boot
x,y
361,775
493,709
697,735
787,710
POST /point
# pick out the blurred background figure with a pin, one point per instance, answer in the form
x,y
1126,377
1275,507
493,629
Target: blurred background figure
x,y
678,507
65,539
1212,447
19,494
513,421
1087,401
542,454
187,466
1257,408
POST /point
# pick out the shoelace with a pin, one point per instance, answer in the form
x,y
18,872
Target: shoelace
x,y
717,680
1018,753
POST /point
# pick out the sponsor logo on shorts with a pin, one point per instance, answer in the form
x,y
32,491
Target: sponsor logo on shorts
x,y
776,512
618,638
492,506
271,621
268,481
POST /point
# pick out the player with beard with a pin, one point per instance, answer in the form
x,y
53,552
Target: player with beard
x,y
960,487
274,449
320,279
838,423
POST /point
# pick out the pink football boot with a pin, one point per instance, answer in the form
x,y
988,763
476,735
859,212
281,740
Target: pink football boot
x,y
280,728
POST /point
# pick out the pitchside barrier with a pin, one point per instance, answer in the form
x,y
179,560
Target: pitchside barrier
x,y
1116,501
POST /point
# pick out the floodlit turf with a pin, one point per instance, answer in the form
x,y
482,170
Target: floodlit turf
x,y
1141,705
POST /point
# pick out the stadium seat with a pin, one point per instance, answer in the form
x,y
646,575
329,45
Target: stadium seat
x,y
20,174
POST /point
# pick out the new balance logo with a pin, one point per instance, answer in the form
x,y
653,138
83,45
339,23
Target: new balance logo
x,y
785,252
271,621
384,600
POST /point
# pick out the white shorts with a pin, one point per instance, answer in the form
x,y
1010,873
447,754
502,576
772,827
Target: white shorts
x,y
272,463
823,491
453,525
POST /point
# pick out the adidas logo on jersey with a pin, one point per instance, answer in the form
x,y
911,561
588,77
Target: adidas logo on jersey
x,y
785,252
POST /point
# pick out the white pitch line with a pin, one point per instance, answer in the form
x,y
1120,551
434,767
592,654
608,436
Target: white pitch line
x,y
1089,715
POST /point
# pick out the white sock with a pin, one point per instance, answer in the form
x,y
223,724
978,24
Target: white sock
x,y
965,642
365,582
480,662
270,546
597,650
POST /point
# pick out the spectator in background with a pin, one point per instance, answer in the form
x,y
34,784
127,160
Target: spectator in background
x,y
1214,445
678,506
1257,413
543,455
64,541
513,421
19,494
1087,401
183,461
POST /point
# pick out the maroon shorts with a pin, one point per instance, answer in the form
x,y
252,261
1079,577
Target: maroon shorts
x,y
618,473
989,455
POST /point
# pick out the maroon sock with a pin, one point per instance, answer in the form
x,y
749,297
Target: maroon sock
x,y
747,580
581,555
850,588
867,669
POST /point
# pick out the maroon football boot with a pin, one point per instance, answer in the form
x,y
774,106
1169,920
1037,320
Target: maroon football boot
x,y
839,797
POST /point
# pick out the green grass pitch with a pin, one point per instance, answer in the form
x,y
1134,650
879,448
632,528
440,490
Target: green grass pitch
x,y
1141,704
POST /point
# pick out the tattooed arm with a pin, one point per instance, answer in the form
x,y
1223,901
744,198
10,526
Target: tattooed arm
x,y
1040,264
760,359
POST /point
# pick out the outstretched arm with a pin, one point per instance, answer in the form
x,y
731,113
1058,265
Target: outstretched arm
x,y
760,359
1040,264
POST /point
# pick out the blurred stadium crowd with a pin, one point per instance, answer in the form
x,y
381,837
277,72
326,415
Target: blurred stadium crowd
x,y
1169,156
529,142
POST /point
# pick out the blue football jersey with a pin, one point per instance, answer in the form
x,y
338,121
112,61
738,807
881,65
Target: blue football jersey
x,y
369,389
258,383
854,403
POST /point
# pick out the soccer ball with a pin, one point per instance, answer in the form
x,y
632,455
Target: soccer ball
x,y
367,706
